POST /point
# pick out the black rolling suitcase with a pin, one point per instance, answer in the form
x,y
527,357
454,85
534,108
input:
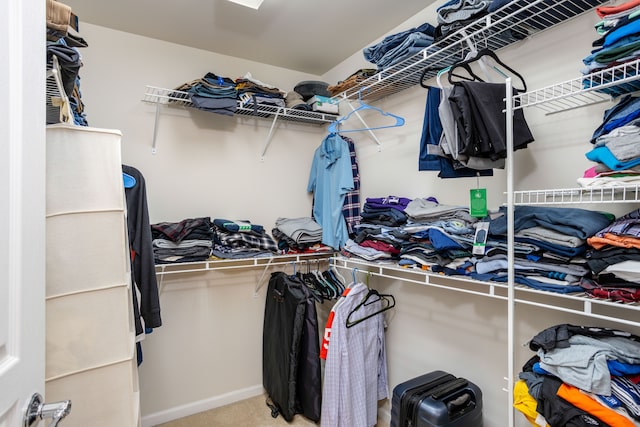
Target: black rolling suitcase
x,y
437,399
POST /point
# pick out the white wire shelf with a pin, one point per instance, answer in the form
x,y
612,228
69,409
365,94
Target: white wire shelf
x,y
600,86
264,262
618,194
579,303
171,97
241,263
508,25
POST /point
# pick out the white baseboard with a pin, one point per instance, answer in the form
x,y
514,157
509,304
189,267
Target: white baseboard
x,y
167,415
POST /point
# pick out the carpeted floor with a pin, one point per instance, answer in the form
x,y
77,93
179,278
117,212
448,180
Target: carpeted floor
x,y
247,413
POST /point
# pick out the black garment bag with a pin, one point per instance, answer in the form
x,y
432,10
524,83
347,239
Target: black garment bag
x,y
290,349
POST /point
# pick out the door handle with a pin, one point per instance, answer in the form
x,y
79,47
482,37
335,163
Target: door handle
x,y
38,410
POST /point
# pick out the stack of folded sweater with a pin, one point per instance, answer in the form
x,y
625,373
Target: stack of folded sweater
x,y
241,239
299,235
185,241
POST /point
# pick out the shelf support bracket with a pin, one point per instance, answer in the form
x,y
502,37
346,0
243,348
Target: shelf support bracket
x,y
268,141
259,284
373,135
155,129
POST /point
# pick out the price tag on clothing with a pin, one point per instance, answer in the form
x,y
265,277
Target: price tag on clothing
x,y
478,202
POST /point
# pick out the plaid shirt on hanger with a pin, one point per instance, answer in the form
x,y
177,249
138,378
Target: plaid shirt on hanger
x,y
351,206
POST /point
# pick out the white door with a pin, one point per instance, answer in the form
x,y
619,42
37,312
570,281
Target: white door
x,y
22,206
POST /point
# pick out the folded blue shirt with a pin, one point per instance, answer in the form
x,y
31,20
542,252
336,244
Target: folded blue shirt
x,y
603,155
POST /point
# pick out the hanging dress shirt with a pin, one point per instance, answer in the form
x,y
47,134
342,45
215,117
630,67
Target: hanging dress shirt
x,y
356,367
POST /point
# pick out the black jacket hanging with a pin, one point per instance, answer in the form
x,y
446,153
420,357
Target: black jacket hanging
x,y
143,274
290,357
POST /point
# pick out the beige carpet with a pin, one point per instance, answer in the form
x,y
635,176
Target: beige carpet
x,y
250,413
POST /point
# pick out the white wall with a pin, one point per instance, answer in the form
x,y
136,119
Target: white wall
x,y
208,351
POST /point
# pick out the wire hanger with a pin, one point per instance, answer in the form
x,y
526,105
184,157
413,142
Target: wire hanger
x,y
481,54
387,301
333,127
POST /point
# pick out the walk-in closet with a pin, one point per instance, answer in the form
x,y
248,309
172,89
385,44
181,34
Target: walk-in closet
x,y
484,222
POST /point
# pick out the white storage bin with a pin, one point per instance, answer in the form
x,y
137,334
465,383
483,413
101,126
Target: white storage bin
x,y
84,169
96,254
88,330
100,397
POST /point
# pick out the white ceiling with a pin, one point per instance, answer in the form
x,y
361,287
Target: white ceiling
x,y
310,36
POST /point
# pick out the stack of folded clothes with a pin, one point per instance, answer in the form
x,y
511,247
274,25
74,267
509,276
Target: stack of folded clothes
x,y
614,260
212,93
558,237
351,81
299,235
550,243
378,236
253,92
619,43
186,241
400,46
241,239
456,14
616,147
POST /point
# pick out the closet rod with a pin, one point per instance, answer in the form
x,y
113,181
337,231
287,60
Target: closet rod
x,y
259,283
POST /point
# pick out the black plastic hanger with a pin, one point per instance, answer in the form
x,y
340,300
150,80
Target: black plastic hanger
x,y
484,52
388,302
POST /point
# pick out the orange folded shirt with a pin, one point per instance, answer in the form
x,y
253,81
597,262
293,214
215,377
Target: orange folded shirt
x,y
580,400
603,11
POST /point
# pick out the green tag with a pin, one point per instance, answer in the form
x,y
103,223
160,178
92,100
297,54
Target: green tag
x,y
478,202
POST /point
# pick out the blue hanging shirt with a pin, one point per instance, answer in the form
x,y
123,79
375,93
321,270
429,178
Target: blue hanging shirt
x,y
330,180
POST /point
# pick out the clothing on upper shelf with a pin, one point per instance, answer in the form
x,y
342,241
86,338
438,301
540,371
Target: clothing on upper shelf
x,y
353,80
143,275
397,47
619,44
70,62
221,94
